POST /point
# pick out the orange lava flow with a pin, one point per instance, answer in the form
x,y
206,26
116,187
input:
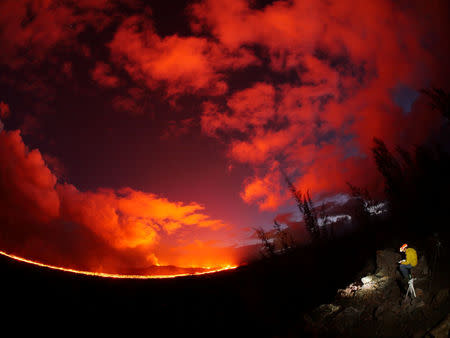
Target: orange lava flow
x,y
112,275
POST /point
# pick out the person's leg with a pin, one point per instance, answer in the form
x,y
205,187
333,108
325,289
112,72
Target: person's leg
x,y
404,269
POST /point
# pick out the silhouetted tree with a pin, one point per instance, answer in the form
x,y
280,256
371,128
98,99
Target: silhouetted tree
x,y
324,233
283,237
417,183
268,247
440,100
306,207
389,167
363,202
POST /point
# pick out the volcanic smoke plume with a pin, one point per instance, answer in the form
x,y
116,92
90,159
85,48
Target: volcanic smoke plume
x,y
130,139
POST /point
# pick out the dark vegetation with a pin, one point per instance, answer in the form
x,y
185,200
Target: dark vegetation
x,y
265,298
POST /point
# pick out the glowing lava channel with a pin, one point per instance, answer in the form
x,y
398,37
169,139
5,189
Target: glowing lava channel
x,y
113,275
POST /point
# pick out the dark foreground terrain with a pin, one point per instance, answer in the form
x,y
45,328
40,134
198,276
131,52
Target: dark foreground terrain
x,y
376,305
269,298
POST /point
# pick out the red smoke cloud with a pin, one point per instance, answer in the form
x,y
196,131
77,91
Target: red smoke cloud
x,y
67,69
29,29
102,75
127,221
177,129
133,103
55,165
348,58
26,183
4,110
183,64
252,107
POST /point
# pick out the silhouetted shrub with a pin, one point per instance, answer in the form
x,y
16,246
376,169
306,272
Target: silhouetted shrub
x,y
306,207
417,183
440,100
268,247
283,238
363,202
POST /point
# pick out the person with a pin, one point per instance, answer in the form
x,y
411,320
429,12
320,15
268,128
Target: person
x,y
407,264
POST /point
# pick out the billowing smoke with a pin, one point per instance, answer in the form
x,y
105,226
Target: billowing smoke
x,y
105,230
349,63
335,76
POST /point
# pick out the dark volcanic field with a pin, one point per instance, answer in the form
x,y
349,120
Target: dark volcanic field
x,y
265,298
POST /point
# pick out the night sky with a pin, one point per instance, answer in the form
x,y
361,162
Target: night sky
x,y
136,133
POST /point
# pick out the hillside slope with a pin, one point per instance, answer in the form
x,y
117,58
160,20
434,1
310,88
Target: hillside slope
x,y
377,306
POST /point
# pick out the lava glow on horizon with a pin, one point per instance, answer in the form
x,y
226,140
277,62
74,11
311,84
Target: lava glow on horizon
x,y
120,276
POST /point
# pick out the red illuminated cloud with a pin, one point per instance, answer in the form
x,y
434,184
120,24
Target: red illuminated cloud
x,y
251,108
295,28
27,185
265,191
30,29
177,129
261,146
30,125
133,103
102,75
295,23
96,4
129,221
347,64
4,110
127,104
67,69
55,165
182,64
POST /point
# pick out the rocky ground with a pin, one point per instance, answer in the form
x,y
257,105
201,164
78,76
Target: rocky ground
x,y
376,306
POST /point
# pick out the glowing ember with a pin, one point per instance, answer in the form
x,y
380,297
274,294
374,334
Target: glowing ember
x,y
111,275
